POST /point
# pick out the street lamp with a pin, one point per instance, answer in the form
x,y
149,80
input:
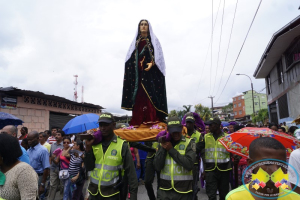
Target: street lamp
x,y
251,89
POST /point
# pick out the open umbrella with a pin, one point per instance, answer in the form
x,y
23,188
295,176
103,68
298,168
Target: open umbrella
x,y
225,124
8,119
81,123
239,142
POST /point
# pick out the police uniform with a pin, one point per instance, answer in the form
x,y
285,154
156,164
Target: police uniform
x,y
150,171
106,161
175,166
217,165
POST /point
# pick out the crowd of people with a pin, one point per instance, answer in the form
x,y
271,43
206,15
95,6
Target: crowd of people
x,y
53,165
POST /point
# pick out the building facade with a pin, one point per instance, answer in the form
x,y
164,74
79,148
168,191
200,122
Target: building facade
x,y
238,107
280,67
243,104
40,111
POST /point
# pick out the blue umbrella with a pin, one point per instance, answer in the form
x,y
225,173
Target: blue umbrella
x,y
8,119
225,124
81,123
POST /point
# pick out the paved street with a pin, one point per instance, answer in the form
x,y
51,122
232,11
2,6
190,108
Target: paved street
x,y
142,193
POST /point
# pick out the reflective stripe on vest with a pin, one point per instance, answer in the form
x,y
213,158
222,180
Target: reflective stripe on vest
x,y
196,136
154,146
107,167
215,152
173,172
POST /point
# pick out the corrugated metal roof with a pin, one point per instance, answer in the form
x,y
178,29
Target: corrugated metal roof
x,y
13,91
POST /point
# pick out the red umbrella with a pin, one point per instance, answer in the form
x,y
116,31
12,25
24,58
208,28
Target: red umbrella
x,y
239,142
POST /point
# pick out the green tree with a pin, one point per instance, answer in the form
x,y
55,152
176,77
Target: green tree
x,y
227,110
173,113
261,116
187,108
203,111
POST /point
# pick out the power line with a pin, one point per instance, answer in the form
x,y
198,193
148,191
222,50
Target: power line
x,y
210,41
240,49
211,44
227,47
220,41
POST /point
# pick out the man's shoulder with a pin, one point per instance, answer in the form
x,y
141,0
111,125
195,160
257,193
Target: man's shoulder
x,y
239,193
295,153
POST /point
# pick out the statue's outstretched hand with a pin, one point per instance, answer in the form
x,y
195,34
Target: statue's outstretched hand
x,y
149,66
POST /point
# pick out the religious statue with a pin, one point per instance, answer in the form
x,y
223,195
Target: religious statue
x,y
144,87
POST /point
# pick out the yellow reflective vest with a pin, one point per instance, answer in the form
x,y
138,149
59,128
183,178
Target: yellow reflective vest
x,y
196,136
155,146
215,152
173,175
107,168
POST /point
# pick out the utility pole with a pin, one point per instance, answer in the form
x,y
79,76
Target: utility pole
x,y
212,105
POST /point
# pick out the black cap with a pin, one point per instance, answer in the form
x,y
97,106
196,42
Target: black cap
x,y
214,120
174,125
190,119
106,118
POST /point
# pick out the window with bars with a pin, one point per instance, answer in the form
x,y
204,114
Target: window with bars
x,y
292,55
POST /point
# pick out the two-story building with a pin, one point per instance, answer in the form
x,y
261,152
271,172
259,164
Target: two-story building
x,y
243,104
280,67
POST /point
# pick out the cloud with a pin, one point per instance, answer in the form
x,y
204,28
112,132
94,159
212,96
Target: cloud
x,y
44,43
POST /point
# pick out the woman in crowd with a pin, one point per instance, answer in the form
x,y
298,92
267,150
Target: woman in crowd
x,y
76,170
18,180
24,144
64,160
24,133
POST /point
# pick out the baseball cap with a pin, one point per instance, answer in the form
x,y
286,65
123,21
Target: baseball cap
x,y
174,124
214,120
190,119
106,118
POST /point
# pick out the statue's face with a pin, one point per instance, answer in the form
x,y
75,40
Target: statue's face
x,y
144,27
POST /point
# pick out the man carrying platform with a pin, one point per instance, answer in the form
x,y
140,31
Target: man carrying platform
x,y
108,160
196,136
175,160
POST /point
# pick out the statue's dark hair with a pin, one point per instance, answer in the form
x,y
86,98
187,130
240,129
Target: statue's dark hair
x,y
139,33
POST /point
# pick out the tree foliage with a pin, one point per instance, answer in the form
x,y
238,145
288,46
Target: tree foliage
x,y
261,116
203,111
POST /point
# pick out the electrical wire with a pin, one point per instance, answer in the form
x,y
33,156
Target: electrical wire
x,y
211,44
227,47
240,49
210,41
220,41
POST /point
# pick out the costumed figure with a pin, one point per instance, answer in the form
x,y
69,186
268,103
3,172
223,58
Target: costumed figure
x,y
144,88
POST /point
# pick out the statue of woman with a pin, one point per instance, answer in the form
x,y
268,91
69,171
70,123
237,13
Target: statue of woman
x,y
144,88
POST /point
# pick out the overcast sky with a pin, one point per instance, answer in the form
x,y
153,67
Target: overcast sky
x,y
44,43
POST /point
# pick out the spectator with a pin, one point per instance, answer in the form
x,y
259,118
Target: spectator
x,y
207,129
281,129
274,127
48,133
143,156
292,130
39,159
76,170
54,168
294,161
13,131
64,161
43,140
52,138
24,133
21,182
285,126
24,144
